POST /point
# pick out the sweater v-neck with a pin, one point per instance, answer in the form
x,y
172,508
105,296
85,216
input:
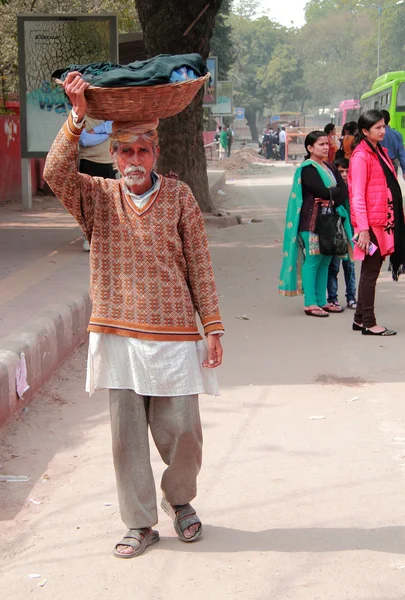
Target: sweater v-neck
x,y
140,212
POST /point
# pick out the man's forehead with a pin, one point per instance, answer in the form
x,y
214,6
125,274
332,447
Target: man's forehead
x,y
136,145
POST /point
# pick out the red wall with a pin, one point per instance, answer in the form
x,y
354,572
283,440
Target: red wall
x,y
208,137
10,161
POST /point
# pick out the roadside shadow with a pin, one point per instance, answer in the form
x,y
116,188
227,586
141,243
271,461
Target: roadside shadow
x,y
309,540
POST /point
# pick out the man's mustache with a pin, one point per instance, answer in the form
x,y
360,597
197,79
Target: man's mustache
x,y
132,170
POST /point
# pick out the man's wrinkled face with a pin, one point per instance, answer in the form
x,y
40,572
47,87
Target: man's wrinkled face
x,y
135,161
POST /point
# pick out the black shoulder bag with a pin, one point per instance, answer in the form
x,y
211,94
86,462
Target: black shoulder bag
x,y
329,227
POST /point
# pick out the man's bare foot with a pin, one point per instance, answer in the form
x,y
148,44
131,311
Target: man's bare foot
x,y
138,540
185,520
127,549
191,531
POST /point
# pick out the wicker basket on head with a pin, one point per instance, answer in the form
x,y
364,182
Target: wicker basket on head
x,y
141,103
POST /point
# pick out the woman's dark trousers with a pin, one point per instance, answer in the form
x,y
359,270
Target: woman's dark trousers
x,y
370,270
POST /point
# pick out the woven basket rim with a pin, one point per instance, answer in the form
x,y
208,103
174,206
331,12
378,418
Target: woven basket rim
x,y
134,87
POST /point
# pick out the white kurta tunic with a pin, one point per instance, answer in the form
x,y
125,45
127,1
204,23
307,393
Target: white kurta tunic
x,y
149,368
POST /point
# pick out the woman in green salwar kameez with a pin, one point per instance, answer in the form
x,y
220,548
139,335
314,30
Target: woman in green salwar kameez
x,y
304,268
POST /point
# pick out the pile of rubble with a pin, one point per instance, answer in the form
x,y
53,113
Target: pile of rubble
x,y
239,163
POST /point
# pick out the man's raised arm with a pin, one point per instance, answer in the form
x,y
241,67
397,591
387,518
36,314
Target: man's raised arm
x,y
75,190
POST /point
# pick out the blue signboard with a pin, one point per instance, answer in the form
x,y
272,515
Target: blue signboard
x,y
239,113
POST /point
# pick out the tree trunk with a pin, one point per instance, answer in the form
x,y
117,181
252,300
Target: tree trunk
x,y
181,139
250,116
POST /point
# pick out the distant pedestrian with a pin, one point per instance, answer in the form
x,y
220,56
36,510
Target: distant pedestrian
x,y
230,141
223,143
316,182
342,165
282,138
394,143
348,132
216,140
377,216
267,144
330,131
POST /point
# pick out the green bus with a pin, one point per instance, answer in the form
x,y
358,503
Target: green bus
x,y
388,92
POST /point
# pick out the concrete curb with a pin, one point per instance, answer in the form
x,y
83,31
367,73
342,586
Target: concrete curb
x,y
216,181
223,220
46,343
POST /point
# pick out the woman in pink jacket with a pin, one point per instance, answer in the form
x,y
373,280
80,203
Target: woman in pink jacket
x,y
377,216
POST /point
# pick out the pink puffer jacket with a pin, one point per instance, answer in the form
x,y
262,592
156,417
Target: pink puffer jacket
x,y
368,190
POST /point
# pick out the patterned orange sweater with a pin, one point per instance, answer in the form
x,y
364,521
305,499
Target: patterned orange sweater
x,y
150,268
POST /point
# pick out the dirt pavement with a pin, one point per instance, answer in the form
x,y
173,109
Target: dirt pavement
x,y
294,507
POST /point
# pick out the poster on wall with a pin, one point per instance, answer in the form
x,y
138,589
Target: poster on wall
x,y
210,89
223,107
45,44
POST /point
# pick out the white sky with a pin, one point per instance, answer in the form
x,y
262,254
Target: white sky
x,y
285,11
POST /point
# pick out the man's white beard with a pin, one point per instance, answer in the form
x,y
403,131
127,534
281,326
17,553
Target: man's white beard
x,y
134,175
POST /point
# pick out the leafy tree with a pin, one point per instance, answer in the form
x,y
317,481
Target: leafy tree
x,y
164,26
283,79
336,64
125,9
319,9
221,42
255,42
392,38
360,19
247,9
332,57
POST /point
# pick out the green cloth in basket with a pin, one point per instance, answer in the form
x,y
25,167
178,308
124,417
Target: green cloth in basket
x,y
154,71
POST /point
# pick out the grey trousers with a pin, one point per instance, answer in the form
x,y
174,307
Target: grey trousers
x,y
176,430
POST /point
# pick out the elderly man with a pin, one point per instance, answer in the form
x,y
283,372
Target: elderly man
x,y
150,273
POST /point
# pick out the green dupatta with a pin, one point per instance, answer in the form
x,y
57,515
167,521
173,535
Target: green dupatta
x,y
290,280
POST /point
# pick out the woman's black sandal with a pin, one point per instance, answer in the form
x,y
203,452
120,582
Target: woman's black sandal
x,y
385,333
356,327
